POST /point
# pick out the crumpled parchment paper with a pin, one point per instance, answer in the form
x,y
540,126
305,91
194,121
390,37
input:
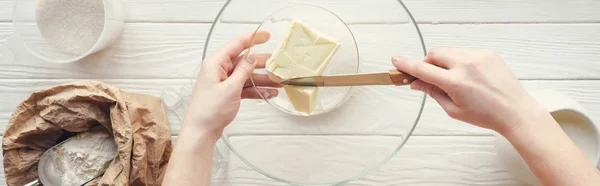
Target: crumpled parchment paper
x,y
138,123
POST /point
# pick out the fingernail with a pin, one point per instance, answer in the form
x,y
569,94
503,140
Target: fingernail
x,y
397,59
416,85
250,58
266,95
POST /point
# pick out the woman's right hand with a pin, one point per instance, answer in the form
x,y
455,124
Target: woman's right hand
x,y
474,86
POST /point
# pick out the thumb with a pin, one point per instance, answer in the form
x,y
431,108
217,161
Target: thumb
x,y
243,70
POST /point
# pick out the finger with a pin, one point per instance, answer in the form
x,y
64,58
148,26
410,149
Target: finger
x,y
261,80
261,60
214,72
235,47
421,70
266,93
440,57
437,94
243,70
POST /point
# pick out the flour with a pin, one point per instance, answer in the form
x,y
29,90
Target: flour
x,y
72,26
84,157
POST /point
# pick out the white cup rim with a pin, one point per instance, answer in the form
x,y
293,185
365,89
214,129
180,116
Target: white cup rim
x,y
555,102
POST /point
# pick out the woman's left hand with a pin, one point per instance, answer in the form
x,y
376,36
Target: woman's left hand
x,y
223,81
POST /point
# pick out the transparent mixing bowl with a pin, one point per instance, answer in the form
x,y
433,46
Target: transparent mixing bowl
x,y
37,42
363,132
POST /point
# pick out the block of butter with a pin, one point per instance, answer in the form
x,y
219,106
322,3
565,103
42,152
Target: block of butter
x,y
304,52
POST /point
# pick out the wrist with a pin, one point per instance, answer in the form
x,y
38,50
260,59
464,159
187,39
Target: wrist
x,y
531,116
200,130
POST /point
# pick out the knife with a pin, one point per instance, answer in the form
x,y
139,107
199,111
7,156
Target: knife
x,y
393,77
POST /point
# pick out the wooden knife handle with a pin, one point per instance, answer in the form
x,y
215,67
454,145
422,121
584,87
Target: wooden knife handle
x,y
401,78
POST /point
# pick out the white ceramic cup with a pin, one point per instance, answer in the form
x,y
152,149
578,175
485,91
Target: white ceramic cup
x,y
24,15
573,119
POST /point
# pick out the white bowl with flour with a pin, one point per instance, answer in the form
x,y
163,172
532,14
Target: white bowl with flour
x,y
572,118
63,31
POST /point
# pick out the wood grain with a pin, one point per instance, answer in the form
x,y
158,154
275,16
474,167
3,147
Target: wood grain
x,y
181,11
6,29
433,121
189,11
504,11
6,7
145,50
568,51
548,44
425,11
375,11
424,160
530,51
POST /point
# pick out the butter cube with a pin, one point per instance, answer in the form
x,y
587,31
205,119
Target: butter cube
x,y
305,52
304,99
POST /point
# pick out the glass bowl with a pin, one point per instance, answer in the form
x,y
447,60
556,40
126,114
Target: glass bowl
x,y
337,145
328,29
65,31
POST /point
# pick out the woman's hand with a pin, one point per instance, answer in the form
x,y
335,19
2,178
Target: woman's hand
x,y
223,81
474,86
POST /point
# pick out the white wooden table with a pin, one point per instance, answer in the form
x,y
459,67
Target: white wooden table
x,y
548,43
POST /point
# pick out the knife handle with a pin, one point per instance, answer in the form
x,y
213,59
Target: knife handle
x,y
400,78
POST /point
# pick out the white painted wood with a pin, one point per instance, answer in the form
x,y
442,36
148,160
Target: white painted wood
x,y
184,11
554,51
425,11
433,121
145,50
351,11
6,29
189,11
504,11
435,11
548,51
314,159
168,37
425,160
6,7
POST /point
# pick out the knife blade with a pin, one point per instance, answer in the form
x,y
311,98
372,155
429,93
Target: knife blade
x,y
393,77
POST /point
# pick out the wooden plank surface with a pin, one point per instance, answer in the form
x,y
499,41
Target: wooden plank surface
x,y
549,44
505,11
387,11
145,50
552,51
432,11
433,121
188,11
6,29
174,50
425,11
6,9
424,160
182,11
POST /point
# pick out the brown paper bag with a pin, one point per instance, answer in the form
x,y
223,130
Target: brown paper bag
x,y
138,123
